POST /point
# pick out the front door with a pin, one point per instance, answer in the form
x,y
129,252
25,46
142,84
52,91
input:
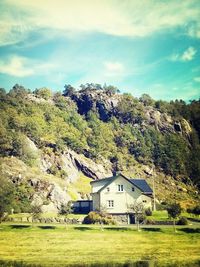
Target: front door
x,y
132,218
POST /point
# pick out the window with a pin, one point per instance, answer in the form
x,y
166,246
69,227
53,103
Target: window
x,y
133,189
110,203
144,201
108,189
120,188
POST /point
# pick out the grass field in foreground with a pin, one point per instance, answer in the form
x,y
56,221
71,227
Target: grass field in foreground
x,y
56,246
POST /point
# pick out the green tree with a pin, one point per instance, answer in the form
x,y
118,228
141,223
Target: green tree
x,y
43,92
147,100
66,209
69,90
174,211
36,212
6,196
137,208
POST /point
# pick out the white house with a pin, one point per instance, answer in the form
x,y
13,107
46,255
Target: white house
x,y
116,194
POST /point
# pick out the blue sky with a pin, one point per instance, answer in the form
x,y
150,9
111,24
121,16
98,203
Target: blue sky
x,y
140,46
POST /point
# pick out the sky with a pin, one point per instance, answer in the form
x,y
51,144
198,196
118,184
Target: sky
x,y
139,46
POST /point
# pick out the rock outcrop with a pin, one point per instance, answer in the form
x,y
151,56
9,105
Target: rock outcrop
x,y
98,101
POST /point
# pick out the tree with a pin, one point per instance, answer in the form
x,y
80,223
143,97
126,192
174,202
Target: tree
x,y
18,91
36,212
111,90
43,93
147,100
6,196
174,210
69,90
196,210
137,208
66,209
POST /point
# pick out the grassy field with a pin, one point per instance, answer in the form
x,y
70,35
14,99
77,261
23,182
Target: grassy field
x,y
53,245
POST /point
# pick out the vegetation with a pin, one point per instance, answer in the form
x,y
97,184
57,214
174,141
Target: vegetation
x,y
36,212
95,217
124,136
174,210
6,197
81,245
195,210
139,212
66,208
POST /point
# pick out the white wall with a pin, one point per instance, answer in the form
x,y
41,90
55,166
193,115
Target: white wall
x,y
95,201
122,199
97,185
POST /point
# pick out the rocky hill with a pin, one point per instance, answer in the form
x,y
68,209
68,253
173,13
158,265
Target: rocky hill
x,y
53,145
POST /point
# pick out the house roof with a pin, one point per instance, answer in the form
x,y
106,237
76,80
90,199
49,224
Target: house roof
x,y
141,184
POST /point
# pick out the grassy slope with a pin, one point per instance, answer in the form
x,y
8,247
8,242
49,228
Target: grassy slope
x,y
47,245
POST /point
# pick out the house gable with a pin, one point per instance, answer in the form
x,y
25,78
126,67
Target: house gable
x,y
117,193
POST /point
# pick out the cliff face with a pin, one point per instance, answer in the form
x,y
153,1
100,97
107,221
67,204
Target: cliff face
x,y
107,105
52,148
98,101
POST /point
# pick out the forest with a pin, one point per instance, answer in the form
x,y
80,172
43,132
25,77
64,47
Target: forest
x,y
125,137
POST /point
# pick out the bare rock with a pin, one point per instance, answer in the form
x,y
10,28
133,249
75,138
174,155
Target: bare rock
x,y
49,208
89,167
58,196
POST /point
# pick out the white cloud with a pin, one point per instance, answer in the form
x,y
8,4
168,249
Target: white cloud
x,y
187,55
114,68
197,79
115,17
22,67
16,66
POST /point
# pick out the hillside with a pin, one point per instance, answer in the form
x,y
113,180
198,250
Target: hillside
x,y
53,144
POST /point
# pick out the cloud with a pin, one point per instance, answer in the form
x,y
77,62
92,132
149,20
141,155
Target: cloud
x,y
22,67
187,55
114,68
114,17
197,79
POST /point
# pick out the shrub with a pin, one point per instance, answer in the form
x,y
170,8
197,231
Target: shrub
x,y
161,206
141,218
174,210
182,221
150,221
196,210
95,217
148,212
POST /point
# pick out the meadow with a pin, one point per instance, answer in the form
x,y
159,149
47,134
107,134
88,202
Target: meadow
x,y
82,245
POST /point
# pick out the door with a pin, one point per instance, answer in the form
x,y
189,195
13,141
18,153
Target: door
x,y
132,218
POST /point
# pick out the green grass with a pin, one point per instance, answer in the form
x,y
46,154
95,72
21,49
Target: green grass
x,y
160,215
18,216
53,245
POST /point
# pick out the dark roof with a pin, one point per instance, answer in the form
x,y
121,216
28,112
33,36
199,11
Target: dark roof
x,y
142,185
99,180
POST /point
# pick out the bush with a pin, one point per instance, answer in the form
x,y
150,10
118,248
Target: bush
x,y
196,210
148,212
182,221
161,206
141,218
95,217
150,221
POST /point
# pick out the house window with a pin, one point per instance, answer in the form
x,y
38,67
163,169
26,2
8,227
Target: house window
x,y
120,188
144,201
133,189
108,189
110,203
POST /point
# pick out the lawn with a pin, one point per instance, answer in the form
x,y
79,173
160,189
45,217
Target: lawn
x,y
53,245
159,215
